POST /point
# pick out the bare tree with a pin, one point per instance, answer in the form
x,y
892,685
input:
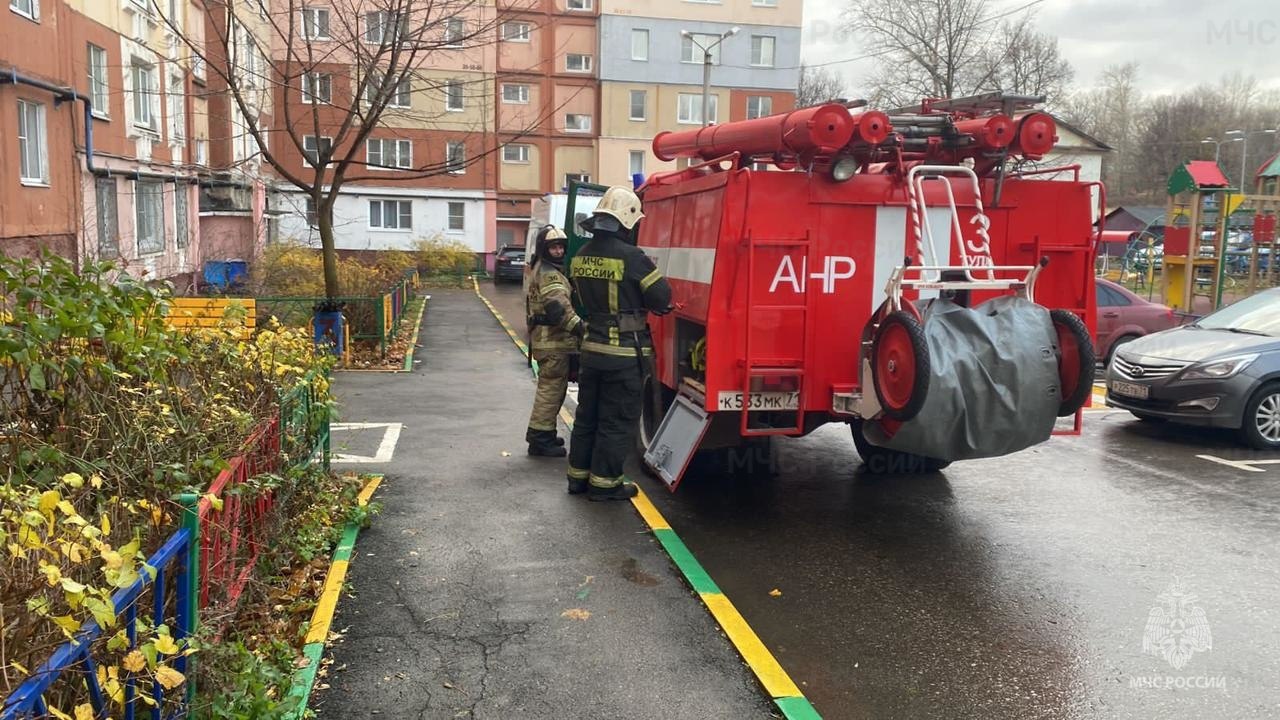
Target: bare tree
x,y
1114,112
332,78
952,48
818,85
1025,62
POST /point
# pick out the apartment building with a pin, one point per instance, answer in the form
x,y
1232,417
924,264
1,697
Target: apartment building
x,y
428,169
102,134
651,71
548,103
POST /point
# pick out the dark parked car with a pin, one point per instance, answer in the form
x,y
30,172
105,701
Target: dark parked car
x,y
1221,371
1124,316
509,264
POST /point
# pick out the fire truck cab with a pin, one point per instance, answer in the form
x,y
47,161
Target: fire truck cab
x,y
811,252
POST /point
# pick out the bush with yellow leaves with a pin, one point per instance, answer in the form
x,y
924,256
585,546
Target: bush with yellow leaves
x,y
106,415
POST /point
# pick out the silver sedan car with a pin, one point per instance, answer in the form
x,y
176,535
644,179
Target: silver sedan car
x,y
1221,371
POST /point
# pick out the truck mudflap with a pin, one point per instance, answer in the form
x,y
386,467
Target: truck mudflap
x,y
676,440
994,385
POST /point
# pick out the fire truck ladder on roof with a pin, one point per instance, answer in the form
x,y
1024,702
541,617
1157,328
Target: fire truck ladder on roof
x,y
976,270
774,367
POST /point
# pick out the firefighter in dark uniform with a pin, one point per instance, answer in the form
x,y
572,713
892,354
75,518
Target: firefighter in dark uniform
x,y
617,286
554,329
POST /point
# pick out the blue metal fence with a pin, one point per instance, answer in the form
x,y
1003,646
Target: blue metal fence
x,y
171,564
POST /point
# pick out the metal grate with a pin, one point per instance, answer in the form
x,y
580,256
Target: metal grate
x,y
1147,370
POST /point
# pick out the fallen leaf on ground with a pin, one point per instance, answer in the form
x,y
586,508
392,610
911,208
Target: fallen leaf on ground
x,y
775,592
506,454
575,614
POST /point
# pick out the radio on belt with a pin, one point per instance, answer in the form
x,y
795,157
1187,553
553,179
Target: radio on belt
x,y
900,271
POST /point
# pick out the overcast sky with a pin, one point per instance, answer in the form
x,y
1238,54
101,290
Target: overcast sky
x,y
1177,43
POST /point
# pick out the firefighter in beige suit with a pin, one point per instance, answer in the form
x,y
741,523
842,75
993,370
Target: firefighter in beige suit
x,y
554,331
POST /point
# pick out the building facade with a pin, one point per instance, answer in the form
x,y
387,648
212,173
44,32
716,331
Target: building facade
x,y
548,104
652,64
102,131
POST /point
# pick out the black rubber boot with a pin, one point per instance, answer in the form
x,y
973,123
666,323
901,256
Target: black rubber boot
x,y
577,487
543,445
625,491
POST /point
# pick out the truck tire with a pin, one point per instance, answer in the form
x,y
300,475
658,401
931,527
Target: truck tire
x,y
1076,360
900,365
883,461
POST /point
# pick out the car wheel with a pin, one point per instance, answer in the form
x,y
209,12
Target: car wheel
x,y
1261,427
1115,345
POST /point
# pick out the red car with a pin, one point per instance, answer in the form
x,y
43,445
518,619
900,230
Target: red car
x,y
1124,316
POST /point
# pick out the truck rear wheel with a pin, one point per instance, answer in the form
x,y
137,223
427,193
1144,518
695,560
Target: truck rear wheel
x,y
1076,360
883,461
900,365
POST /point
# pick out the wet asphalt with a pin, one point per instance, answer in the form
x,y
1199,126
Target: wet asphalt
x,y
1117,574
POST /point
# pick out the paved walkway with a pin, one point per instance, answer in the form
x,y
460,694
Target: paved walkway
x,y
483,590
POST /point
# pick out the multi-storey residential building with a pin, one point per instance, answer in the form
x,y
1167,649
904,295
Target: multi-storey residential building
x,y
427,169
117,182
651,71
548,104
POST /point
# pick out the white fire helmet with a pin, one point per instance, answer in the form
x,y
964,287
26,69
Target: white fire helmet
x,y
621,204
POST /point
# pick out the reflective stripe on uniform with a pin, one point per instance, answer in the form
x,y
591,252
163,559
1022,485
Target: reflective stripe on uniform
x,y
577,474
603,482
552,287
613,336
574,320
650,279
613,298
616,351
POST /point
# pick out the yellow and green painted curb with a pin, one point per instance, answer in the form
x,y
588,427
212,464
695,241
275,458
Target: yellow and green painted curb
x,y
781,688
322,616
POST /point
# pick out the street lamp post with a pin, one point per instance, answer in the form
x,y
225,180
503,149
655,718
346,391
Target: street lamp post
x,y
706,65
1243,138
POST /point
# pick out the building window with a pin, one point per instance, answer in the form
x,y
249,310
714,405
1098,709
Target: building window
x,y
382,26
765,3
180,215
762,50
453,96
197,67
313,215
515,31
689,110
636,163
313,148
148,202
145,90
515,94
575,178
400,96
315,24
389,153
454,29
581,4
456,157
26,8
317,87
457,216
759,106
515,153
108,218
576,62
693,48
32,149
640,45
576,122
202,152
177,97
638,102
99,93
391,214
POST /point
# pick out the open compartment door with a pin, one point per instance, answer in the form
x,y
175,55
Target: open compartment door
x,y
676,440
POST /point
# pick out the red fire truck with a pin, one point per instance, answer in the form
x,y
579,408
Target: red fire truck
x,y
810,252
